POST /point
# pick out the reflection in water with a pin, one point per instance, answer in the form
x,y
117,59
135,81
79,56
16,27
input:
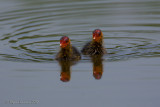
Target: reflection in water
x,y
65,75
65,71
97,66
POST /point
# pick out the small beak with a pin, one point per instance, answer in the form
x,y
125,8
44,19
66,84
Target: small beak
x,y
62,45
95,37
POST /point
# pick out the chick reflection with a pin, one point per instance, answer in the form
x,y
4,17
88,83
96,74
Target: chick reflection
x,y
65,75
97,66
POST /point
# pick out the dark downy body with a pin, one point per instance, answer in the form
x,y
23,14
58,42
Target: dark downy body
x,y
95,47
68,54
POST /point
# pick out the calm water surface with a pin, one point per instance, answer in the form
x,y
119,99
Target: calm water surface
x,y
128,76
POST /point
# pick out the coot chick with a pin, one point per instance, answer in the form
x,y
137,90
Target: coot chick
x,y
95,47
67,52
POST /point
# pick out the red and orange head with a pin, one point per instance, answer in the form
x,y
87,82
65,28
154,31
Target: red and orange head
x,y
97,35
64,42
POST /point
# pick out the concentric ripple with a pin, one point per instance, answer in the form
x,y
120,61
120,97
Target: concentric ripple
x,y
30,30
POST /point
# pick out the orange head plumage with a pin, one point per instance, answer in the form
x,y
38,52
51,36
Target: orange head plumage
x,y
64,42
97,35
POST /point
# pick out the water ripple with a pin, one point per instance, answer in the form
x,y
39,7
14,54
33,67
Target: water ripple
x,y
30,31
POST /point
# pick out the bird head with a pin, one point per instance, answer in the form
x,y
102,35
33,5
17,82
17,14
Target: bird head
x,y
64,42
97,35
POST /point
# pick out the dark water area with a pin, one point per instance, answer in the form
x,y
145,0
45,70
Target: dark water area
x,y
127,76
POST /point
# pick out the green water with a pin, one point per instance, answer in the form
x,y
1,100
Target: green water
x,y
29,40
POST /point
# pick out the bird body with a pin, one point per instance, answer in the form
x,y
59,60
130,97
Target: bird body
x,y
67,51
95,47
68,54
